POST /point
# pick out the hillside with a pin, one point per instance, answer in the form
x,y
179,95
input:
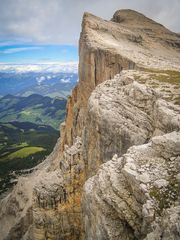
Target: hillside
x,y
22,146
34,108
114,173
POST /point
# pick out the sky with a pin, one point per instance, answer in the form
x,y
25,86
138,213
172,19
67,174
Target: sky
x,y
33,31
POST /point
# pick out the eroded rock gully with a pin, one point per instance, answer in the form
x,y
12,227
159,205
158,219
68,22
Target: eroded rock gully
x,y
114,173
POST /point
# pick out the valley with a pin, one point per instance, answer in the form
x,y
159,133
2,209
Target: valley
x,y
32,107
23,145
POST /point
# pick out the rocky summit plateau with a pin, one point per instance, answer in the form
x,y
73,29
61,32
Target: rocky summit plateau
x,y
115,171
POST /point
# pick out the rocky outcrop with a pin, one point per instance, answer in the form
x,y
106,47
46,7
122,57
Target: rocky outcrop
x,y
122,197
123,113
134,197
16,211
57,198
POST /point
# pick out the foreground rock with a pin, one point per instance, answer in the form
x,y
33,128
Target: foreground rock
x,y
136,196
123,113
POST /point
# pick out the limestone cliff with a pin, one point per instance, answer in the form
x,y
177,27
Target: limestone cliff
x,y
114,172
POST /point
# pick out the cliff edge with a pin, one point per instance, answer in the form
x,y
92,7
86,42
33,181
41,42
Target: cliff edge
x,y
114,173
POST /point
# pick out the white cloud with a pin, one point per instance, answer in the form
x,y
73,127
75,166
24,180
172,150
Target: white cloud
x,y
20,49
65,80
59,21
64,67
40,79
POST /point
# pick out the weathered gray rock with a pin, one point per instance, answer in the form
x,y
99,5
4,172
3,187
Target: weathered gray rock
x,y
115,205
123,113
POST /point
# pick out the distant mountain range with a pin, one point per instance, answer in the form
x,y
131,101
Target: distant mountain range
x,y
34,108
51,84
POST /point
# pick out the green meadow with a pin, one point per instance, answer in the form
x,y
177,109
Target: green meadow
x,y
23,145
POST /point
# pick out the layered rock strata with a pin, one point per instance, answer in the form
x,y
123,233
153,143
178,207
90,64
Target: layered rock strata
x,y
123,113
122,197
136,196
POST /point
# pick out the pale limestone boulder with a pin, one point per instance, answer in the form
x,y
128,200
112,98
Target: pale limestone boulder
x,y
115,205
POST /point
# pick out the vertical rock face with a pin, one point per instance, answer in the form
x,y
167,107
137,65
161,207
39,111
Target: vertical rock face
x,y
98,62
123,190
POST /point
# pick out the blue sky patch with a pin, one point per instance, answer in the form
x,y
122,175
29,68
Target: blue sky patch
x,y
38,53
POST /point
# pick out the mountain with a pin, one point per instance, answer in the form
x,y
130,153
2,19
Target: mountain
x,y
34,108
114,174
53,84
22,146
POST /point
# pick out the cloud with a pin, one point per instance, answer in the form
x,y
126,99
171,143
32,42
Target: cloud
x,y
20,49
40,79
59,21
65,80
63,67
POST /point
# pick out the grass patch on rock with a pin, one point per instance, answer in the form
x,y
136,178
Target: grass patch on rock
x,y
164,76
165,196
